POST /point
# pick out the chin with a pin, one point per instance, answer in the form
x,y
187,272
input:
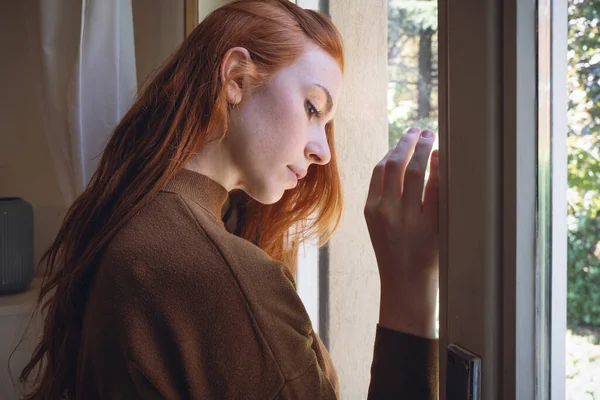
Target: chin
x,y
266,196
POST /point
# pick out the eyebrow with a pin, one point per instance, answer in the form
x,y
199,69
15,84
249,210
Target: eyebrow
x,y
329,105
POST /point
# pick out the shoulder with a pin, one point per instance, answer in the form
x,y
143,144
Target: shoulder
x,y
163,264
163,245
167,297
164,229
173,259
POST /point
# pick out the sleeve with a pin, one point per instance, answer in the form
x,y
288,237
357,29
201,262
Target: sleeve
x,y
313,384
404,367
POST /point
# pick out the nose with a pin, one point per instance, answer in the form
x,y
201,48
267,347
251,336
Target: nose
x,y
318,151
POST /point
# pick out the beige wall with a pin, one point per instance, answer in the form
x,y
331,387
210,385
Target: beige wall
x,y
26,168
158,30
361,138
205,7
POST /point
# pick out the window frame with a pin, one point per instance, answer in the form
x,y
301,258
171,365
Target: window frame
x,y
489,226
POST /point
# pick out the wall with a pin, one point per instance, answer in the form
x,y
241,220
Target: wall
x,y
158,30
26,168
205,7
361,140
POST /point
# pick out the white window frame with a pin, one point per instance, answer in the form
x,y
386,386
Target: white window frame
x,y
559,276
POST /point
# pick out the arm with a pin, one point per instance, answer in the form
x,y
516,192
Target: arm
x,y
403,227
404,367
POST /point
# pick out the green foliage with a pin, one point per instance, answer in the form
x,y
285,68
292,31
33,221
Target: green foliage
x,y
399,126
408,21
584,163
418,13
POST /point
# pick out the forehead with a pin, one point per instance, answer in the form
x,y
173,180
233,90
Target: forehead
x,y
315,66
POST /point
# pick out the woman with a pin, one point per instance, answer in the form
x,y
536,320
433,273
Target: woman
x,y
161,285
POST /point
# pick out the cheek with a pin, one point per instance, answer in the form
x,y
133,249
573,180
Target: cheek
x,y
286,126
272,129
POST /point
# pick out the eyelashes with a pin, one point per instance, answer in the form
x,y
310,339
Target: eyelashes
x,y
312,111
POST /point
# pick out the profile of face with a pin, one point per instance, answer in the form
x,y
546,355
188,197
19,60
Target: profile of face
x,y
278,131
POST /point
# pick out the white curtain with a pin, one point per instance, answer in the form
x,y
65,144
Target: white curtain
x,y
89,82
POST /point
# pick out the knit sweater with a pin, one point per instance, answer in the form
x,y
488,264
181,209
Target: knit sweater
x,y
181,309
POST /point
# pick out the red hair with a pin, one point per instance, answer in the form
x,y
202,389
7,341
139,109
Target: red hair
x,y
169,121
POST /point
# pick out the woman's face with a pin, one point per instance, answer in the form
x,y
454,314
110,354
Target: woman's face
x,y
276,133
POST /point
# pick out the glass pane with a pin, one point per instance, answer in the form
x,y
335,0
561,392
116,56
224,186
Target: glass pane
x,y
583,197
412,66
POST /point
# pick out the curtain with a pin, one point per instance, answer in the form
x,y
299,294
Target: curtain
x,y
89,82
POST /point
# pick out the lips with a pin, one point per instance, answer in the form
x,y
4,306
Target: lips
x,y
299,173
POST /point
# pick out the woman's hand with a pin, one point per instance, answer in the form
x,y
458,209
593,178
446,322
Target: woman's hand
x,y
403,227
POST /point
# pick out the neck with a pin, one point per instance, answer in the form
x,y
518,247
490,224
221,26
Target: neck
x,y
214,161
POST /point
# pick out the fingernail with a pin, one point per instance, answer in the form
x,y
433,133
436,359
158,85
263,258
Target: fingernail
x,y
427,134
414,130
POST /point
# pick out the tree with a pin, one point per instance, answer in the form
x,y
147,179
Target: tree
x,y
584,162
412,65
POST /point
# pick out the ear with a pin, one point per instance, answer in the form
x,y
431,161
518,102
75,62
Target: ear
x,y
236,60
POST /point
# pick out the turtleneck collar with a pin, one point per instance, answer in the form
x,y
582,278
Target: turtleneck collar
x,y
199,188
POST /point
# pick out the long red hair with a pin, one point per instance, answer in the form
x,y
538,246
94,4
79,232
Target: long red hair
x,y
169,121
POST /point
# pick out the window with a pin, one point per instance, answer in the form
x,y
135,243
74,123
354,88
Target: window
x,y
503,161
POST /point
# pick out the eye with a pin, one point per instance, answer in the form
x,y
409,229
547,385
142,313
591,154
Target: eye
x,y
311,110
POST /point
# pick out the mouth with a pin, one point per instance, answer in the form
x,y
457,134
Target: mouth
x,y
298,174
294,176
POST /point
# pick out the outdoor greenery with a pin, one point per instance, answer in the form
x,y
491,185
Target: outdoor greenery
x,y
584,162
412,66
412,101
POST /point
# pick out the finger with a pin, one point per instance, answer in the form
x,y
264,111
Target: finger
x,y
432,196
376,185
377,177
414,180
395,166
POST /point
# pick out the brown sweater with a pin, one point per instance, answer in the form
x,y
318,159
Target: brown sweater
x,y
182,309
